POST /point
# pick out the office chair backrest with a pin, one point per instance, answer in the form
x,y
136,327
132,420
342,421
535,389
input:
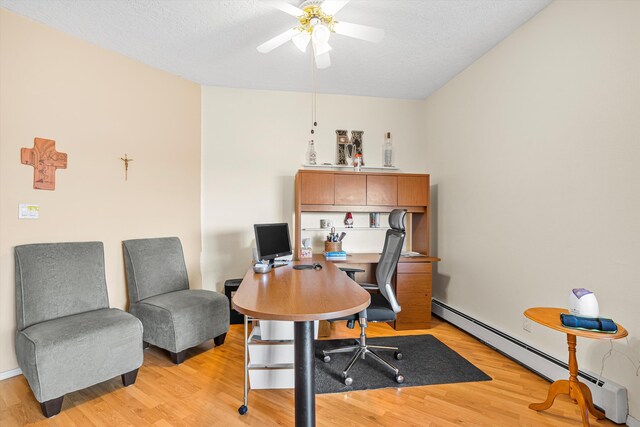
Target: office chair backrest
x,y
393,242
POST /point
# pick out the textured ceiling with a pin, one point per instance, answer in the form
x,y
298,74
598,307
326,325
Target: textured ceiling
x,y
213,42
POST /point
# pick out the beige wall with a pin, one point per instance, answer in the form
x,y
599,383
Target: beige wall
x,y
97,105
534,153
253,142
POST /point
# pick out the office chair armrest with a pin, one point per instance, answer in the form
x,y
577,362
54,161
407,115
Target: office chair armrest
x,y
351,272
369,287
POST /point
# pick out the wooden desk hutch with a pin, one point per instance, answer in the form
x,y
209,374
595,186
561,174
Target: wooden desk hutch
x,y
339,191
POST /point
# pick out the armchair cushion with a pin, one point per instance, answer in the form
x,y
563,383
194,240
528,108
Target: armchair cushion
x,y
74,352
182,319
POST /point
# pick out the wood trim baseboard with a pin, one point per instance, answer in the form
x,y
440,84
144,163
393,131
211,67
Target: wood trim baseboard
x,y
10,373
632,422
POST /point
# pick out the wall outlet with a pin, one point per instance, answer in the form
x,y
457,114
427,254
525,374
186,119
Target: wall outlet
x,y
526,324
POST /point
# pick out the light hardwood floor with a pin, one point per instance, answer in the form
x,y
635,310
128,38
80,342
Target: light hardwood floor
x,y
206,390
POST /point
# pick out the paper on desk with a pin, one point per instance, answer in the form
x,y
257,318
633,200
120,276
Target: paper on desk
x,y
411,254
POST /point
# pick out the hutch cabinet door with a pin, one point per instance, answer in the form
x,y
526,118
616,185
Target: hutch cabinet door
x,y
382,190
317,189
351,189
413,191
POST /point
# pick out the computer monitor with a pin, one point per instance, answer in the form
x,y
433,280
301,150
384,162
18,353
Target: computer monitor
x,y
272,241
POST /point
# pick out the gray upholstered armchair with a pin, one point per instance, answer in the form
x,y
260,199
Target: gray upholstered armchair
x,y
67,336
175,317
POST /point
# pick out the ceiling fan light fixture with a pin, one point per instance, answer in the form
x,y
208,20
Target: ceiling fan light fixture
x,y
323,61
316,25
301,41
321,34
321,48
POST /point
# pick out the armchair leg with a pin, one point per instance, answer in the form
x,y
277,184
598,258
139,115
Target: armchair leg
x,y
178,357
219,340
51,407
145,345
129,377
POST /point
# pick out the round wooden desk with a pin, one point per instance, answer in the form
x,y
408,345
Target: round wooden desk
x,y
550,317
301,296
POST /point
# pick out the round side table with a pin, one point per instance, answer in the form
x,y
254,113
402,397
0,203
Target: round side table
x,y
550,317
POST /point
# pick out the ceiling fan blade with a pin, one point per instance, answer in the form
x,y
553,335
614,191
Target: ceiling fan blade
x,y
277,41
331,7
323,61
362,32
286,7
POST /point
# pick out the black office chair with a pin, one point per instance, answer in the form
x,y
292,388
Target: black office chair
x,y
383,307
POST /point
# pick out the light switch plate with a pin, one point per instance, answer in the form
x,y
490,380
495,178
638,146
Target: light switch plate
x,y
28,211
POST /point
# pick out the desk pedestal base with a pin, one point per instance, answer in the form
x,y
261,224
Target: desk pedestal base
x,y
578,391
305,393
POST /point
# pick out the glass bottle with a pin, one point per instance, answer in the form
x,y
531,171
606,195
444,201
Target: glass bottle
x,y
357,163
311,153
387,152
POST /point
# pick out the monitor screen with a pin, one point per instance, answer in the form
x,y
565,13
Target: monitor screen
x,y
272,240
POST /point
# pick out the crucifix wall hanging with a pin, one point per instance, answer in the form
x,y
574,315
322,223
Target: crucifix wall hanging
x,y
45,160
126,161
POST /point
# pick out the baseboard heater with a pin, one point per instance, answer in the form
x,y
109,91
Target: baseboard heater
x,y
607,395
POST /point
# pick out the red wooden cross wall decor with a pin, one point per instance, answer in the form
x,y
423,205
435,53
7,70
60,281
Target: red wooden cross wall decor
x,y
45,160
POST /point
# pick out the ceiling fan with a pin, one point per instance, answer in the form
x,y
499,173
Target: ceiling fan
x,y
316,18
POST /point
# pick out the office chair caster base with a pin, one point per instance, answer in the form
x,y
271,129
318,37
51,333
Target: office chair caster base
x,y
399,379
348,381
327,359
397,355
243,410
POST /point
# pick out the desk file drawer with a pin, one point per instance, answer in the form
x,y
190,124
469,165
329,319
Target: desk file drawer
x,y
271,354
263,378
413,291
414,267
279,330
275,330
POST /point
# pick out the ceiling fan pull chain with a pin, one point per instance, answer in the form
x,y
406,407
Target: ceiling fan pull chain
x,y
312,66
314,123
315,97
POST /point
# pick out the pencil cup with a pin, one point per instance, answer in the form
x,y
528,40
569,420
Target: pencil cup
x,y
332,246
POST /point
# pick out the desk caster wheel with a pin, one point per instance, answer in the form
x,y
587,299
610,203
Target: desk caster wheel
x,y
397,355
399,379
327,359
243,409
